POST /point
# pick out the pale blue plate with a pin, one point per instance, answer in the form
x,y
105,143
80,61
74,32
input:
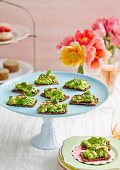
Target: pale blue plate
x,y
97,88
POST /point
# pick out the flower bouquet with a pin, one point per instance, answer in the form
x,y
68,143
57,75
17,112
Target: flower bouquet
x,y
109,30
82,48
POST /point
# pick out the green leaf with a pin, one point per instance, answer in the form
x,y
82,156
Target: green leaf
x,y
48,72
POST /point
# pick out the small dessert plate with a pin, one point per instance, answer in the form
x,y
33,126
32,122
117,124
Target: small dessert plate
x,y
18,33
25,68
68,158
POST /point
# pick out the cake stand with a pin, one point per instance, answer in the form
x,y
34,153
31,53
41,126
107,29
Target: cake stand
x,y
24,32
19,33
49,138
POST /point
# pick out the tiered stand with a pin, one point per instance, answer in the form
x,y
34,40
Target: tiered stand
x,y
20,32
49,138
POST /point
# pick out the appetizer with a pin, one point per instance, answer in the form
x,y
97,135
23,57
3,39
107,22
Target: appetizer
x,y
77,84
49,107
25,88
95,150
21,100
4,74
54,94
95,142
85,99
95,154
46,79
5,32
12,65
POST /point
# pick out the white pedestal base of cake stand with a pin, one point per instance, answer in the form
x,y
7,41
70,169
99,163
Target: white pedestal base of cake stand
x,y
49,138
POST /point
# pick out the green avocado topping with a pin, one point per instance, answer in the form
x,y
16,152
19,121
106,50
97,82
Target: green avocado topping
x,y
77,84
54,94
96,148
50,107
21,100
96,153
46,79
28,89
94,142
86,97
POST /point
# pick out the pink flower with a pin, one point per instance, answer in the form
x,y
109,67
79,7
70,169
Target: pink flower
x,y
110,23
115,37
95,51
113,29
66,42
110,28
99,27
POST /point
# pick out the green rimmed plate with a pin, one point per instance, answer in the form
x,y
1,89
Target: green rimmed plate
x,y
62,164
69,160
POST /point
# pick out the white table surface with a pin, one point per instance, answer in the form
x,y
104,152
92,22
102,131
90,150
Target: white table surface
x,y
16,131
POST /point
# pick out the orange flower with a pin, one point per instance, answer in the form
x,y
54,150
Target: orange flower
x,y
73,54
